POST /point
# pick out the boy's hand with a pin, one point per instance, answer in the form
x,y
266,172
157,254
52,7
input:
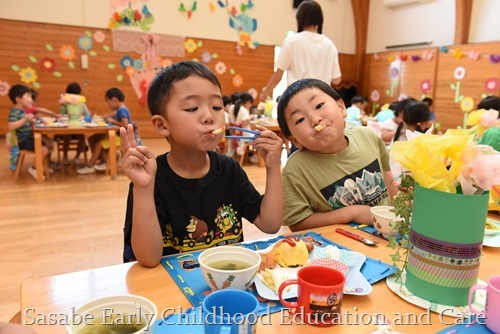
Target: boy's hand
x,y
139,163
29,117
269,145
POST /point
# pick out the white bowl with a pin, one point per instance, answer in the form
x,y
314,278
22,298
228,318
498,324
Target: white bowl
x,y
218,279
124,309
382,219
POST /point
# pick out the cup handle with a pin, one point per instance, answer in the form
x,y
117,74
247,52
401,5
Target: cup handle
x,y
280,293
225,330
471,297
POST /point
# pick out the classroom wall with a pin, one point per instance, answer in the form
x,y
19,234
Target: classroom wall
x,y
274,18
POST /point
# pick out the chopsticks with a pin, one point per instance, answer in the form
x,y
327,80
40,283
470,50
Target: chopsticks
x,y
254,132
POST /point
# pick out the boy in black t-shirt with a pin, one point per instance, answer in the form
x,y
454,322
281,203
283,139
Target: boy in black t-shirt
x,y
192,197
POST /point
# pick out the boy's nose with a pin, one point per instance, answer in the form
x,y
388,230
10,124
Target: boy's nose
x,y
208,116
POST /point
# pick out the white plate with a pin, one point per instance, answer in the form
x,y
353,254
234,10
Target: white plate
x,y
452,311
492,240
356,283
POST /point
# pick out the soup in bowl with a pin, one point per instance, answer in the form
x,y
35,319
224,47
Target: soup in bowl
x,y
232,267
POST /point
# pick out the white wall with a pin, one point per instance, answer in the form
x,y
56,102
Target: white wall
x,y
432,21
274,18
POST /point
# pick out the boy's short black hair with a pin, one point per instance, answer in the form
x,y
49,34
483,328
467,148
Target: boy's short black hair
x,y
34,94
18,91
489,102
114,92
161,86
427,100
358,99
296,88
309,14
74,88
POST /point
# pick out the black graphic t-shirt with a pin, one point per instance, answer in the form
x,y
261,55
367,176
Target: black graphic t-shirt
x,y
200,213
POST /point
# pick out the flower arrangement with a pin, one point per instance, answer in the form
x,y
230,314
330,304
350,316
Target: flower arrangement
x,y
72,99
451,163
483,119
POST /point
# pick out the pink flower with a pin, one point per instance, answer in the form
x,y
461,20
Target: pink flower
x,y
427,55
99,36
473,55
491,85
481,169
376,56
425,86
375,95
489,118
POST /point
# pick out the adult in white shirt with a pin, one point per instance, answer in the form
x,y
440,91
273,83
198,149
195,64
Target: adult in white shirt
x,y
308,53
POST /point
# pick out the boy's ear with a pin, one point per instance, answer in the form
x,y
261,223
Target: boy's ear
x,y
160,125
295,142
341,104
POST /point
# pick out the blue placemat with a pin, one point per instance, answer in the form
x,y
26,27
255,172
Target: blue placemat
x,y
192,284
470,325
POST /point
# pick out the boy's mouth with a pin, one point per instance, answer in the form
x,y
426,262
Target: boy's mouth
x,y
219,130
320,127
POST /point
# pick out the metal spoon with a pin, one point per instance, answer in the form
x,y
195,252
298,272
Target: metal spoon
x,y
356,237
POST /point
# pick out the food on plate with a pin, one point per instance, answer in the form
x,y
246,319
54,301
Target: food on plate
x,y
491,228
219,130
320,127
290,252
267,261
271,279
102,123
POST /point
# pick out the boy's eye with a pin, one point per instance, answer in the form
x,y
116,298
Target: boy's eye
x,y
320,105
300,120
217,108
191,109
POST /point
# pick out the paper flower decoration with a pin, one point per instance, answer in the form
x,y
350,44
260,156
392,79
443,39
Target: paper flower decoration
x,y
85,43
99,36
491,85
206,57
443,49
393,72
48,65
483,119
72,99
403,57
457,53
132,17
480,169
467,104
425,86
390,59
495,59
4,88
130,70
190,45
375,95
459,72
220,68
415,58
138,64
473,55
126,61
67,52
237,80
28,75
426,55
376,56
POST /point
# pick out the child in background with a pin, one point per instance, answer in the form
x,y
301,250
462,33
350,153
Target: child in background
x,y
120,116
385,114
356,111
75,89
415,118
239,115
389,128
192,197
428,101
38,111
21,122
222,147
337,175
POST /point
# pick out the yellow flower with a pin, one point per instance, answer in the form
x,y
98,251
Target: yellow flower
x,y
190,45
467,104
28,75
457,53
390,59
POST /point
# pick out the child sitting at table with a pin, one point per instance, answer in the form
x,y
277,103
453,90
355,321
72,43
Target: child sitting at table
x,y
415,118
21,122
356,111
193,197
337,174
120,116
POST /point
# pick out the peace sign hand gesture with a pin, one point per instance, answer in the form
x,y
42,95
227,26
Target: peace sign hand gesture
x,y
139,163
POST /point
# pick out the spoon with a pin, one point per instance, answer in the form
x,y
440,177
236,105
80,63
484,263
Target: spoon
x,y
356,237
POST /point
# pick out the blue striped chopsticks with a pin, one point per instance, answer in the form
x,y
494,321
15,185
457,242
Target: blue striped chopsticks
x,y
254,132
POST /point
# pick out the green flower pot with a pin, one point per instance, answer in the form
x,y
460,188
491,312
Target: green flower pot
x,y
446,237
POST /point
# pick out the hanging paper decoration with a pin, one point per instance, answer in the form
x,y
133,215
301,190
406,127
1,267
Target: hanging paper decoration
x,y
391,58
211,5
4,88
443,49
243,8
375,96
491,85
182,8
190,45
403,57
206,57
249,4
234,11
237,80
232,71
239,50
194,6
457,53
132,17
138,64
67,52
425,87
85,43
57,74
99,36
415,58
473,55
15,68
48,65
221,4
459,74
427,55
394,76
130,70
495,59
467,105
28,75
220,68
376,56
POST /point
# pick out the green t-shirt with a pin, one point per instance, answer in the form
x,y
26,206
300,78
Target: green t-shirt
x,y
316,182
491,137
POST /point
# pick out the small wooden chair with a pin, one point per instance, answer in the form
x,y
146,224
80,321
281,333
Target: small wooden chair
x,y
73,146
20,161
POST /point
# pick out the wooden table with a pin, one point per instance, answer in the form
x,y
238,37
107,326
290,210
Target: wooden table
x,y
58,294
73,130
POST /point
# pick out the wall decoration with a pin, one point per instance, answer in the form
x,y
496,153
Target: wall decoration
x,y
131,41
28,75
85,43
190,45
244,25
459,74
67,52
473,55
192,9
4,88
211,6
491,86
48,65
206,57
49,47
221,4
126,61
495,59
237,80
220,68
393,75
467,105
457,53
99,36
129,16
375,96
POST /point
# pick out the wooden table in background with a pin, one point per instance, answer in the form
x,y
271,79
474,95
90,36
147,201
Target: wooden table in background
x,y
58,294
73,130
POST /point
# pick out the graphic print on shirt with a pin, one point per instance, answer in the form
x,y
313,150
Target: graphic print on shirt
x,y
364,187
198,234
